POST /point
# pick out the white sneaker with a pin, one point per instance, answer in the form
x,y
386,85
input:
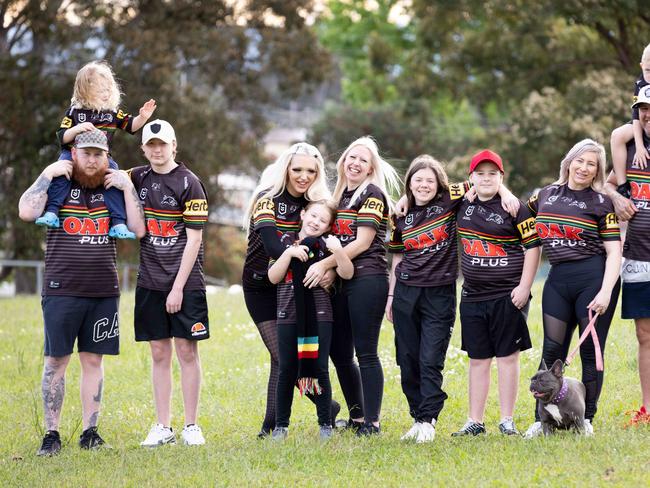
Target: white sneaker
x,y
412,432
158,436
427,433
192,435
535,430
589,429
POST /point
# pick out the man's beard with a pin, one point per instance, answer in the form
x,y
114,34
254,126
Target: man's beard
x,y
86,180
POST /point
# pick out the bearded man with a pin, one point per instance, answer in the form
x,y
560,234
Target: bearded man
x,y
80,289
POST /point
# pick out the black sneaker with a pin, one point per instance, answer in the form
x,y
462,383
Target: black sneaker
x,y
349,424
51,444
264,432
335,408
366,430
470,428
90,439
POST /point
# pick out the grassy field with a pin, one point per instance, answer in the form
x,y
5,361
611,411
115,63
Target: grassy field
x,y
235,369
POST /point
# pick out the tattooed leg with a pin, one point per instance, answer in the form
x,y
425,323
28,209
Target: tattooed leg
x,y
92,385
53,390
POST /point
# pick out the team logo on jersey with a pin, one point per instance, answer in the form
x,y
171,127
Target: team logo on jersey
x,y
282,208
495,218
82,117
469,211
169,200
409,219
434,209
106,118
198,329
576,203
75,193
97,198
143,193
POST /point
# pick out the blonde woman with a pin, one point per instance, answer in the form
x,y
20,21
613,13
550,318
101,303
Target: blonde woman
x,y
580,236
362,191
296,178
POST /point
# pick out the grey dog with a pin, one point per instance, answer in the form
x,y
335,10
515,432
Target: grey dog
x,y
561,401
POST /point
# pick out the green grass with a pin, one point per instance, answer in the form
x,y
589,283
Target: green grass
x,y
235,366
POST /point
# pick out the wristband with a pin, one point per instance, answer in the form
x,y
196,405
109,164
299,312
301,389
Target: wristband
x,y
625,189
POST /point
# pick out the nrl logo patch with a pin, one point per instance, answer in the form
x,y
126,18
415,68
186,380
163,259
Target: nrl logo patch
x,y
75,193
82,117
409,219
282,208
143,193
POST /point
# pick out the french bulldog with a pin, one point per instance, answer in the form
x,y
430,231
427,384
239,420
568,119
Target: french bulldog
x,y
561,401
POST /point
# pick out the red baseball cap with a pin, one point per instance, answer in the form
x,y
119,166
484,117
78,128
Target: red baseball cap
x,y
486,155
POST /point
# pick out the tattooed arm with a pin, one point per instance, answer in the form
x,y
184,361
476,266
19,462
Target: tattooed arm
x,y
134,211
32,202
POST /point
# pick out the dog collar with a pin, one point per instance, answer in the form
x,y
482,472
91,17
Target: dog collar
x,y
562,393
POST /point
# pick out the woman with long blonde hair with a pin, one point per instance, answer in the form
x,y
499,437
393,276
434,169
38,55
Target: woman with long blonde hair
x,y
365,181
296,178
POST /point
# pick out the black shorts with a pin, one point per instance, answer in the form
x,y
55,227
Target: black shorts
x,y
152,322
493,328
262,304
636,300
92,322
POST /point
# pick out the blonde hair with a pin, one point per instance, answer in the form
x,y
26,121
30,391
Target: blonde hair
x,y
274,178
424,161
328,203
383,174
645,57
89,79
584,146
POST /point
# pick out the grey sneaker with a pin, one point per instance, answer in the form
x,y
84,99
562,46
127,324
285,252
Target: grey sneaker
x,y
325,432
280,433
507,427
471,427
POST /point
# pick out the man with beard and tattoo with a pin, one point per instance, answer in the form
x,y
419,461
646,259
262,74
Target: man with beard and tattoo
x,y
80,290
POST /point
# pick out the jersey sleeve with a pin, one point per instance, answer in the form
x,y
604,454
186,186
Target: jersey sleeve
x,y
264,214
457,192
195,204
395,244
533,203
66,122
608,226
525,223
372,209
125,121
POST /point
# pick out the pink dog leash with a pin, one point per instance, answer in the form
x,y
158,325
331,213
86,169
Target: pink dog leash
x,y
591,329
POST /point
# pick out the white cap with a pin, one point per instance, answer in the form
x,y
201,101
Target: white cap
x,y
642,97
158,129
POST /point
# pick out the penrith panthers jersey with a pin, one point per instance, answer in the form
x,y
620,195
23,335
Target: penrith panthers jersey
x,y
172,202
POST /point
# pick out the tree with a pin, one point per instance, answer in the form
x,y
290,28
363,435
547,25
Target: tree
x,y
211,67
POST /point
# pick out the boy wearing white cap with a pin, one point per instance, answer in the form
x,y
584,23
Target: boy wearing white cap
x,y
171,310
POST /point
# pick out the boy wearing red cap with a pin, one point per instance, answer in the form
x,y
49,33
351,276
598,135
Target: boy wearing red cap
x,y
499,259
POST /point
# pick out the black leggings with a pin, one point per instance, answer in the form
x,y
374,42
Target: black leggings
x,y
569,288
288,347
358,311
